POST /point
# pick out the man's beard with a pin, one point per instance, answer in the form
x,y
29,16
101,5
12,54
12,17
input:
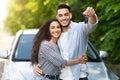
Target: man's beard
x,y
66,25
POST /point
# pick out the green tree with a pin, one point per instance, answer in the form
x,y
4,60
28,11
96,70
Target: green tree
x,y
109,28
24,14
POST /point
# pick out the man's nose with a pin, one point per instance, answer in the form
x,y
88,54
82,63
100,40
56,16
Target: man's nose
x,y
63,17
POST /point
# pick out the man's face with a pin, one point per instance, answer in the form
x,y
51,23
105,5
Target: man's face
x,y
64,17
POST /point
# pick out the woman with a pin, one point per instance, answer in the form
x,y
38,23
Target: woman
x,y
46,52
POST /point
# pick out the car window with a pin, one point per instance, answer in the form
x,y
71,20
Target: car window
x,y
23,50
92,53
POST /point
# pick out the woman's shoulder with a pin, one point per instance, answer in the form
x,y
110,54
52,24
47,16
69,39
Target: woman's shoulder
x,y
45,42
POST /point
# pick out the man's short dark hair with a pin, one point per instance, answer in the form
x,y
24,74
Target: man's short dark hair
x,y
61,6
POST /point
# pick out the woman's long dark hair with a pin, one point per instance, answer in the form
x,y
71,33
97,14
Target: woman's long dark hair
x,y
43,34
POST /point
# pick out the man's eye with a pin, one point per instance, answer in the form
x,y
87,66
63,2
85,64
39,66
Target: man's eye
x,y
66,14
60,15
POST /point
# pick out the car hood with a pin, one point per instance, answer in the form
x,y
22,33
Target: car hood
x,y
19,71
24,71
97,71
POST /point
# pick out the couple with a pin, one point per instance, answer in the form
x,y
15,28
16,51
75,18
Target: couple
x,y
62,61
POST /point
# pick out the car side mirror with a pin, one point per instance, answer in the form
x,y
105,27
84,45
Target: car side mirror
x,y
103,54
3,53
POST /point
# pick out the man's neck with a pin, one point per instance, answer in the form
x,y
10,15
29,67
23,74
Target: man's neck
x,y
65,29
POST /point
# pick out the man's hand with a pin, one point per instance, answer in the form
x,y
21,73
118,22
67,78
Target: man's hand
x,y
37,69
90,13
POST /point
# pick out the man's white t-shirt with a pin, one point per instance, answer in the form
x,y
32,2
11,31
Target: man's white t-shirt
x,y
66,73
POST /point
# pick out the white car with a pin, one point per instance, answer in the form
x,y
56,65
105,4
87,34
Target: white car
x,y
18,65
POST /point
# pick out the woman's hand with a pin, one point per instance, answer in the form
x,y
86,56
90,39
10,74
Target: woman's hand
x,y
37,69
83,59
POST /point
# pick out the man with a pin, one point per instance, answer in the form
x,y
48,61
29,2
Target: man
x,y
73,40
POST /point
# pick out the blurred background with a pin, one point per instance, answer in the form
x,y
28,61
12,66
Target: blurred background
x,y
24,14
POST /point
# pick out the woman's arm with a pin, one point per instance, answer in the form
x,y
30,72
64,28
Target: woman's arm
x,y
54,57
81,59
72,62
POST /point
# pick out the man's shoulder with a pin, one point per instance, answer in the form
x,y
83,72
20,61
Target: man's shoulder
x,y
72,22
77,24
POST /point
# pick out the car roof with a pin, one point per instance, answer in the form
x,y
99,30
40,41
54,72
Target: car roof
x,y
27,31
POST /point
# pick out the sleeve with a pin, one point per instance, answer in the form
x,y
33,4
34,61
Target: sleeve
x,y
88,28
53,56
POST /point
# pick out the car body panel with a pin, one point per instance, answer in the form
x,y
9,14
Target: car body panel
x,y
99,72
19,71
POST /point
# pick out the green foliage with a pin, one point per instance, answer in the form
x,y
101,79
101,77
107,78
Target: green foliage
x,y
79,6
25,14
108,31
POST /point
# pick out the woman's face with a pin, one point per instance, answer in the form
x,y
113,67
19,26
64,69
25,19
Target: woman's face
x,y
55,29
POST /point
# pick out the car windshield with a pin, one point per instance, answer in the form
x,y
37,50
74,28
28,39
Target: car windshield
x,y
23,49
24,46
